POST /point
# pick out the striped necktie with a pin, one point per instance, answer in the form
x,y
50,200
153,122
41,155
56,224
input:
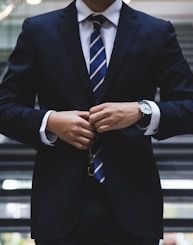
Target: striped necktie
x,y
98,68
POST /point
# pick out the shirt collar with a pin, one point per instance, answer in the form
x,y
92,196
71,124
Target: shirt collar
x,y
112,13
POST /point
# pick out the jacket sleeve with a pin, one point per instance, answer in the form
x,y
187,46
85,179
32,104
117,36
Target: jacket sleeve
x,y
175,81
19,119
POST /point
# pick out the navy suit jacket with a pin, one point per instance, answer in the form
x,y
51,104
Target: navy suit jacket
x,y
48,62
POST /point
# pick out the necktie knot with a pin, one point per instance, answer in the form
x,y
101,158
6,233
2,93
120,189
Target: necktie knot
x,y
97,20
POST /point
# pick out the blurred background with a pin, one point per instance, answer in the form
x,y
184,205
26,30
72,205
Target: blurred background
x,y
174,156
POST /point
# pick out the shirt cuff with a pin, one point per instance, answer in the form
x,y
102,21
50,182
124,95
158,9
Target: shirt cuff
x,y
152,128
47,137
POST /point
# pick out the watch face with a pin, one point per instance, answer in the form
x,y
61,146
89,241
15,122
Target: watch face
x,y
145,108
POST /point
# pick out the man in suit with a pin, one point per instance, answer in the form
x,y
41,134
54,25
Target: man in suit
x,y
51,60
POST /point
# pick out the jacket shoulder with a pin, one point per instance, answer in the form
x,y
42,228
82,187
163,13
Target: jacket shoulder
x,y
149,18
50,17
145,18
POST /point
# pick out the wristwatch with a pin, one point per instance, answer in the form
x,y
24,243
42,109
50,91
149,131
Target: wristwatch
x,y
146,110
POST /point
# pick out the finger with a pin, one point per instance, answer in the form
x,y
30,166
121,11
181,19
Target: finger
x,y
96,108
80,146
103,125
84,114
84,122
86,125
90,134
95,117
83,143
103,128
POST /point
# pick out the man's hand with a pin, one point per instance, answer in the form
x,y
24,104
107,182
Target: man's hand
x,y
73,127
112,115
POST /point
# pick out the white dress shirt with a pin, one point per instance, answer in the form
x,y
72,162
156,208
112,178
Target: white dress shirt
x,y
108,33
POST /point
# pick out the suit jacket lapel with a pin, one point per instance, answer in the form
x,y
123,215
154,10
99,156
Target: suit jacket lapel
x,y
125,34
70,31
127,28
